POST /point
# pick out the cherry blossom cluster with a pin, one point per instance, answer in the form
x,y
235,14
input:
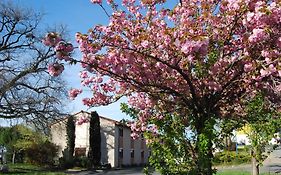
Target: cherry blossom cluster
x,y
73,93
51,39
81,120
62,50
55,69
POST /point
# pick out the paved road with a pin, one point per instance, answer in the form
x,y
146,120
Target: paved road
x,y
272,164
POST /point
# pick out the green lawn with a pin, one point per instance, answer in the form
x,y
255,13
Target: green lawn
x,y
237,173
28,169
233,173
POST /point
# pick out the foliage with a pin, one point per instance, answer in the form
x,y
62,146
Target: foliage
x,y
26,90
94,153
197,61
169,155
8,136
264,121
83,162
226,134
232,157
41,153
67,160
24,144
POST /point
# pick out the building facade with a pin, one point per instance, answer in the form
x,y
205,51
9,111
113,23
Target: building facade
x,y
117,147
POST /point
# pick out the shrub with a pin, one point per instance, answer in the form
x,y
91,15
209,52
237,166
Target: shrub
x,y
232,157
66,161
82,162
41,153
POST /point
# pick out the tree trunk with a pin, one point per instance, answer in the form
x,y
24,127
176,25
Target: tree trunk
x,y
205,135
205,155
255,166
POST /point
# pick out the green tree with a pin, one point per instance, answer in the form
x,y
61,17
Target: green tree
x,y
67,160
172,146
70,133
94,153
8,138
264,121
25,144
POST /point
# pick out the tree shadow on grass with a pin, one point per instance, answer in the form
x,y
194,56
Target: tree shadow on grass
x,y
20,170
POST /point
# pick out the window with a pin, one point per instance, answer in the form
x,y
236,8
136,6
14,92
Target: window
x,y
120,153
132,153
120,132
79,152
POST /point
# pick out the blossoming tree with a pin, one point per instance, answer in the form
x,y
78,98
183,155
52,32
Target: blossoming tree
x,y
194,63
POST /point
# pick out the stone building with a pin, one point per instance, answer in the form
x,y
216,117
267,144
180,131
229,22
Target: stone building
x,y
117,146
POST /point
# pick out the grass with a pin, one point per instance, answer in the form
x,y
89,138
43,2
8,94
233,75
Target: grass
x,y
28,169
233,173
239,173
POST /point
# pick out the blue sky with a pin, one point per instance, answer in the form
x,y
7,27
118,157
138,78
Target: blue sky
x,y
78,16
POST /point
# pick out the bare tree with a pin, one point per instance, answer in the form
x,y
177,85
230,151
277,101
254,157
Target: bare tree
x,y
27,91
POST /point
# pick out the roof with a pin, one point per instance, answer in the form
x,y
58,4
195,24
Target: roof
x,y
89,113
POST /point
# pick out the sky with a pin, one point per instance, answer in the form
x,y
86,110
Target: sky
x,y
78,16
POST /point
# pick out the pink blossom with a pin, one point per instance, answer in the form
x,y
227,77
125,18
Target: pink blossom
x,y
153,129
87,81
143,127
191,57
96,1
134,135
272,69
234,4
69,47
73,93
279,42
51,39
84,74
99,79
87,101
263,72
190,47
248,67
145,44
55,69
258,35
81,120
